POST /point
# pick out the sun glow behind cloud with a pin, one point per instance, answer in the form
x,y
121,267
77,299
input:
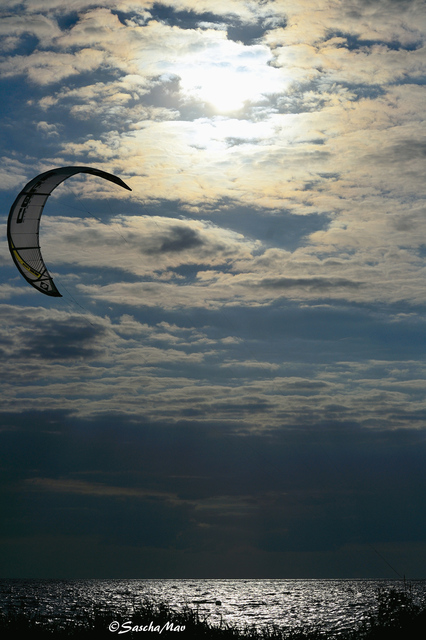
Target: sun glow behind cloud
x,y
224,88
227,75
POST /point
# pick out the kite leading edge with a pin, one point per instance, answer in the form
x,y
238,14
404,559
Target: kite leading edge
x,y
24,221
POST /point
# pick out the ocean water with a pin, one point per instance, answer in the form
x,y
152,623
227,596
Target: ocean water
x,y
334,605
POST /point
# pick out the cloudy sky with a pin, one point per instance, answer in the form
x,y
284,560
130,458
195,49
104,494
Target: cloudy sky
x,y
233,383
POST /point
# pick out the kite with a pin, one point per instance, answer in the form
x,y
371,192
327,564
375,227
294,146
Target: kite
x,y
24,221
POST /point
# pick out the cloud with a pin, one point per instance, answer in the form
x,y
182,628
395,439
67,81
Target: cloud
x,y
372,23
127,243
318,284
13,172
41,26
180,239
63,485
48,129
92,367
44,67
306,480
200,264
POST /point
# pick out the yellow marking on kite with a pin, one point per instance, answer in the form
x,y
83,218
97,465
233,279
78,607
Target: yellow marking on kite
x,y
24,264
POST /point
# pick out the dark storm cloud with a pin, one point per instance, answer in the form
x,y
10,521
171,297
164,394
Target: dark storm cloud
x,y
405,151
59,340
132,483
64,341
180,239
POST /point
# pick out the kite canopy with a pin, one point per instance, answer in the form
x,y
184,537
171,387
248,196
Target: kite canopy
x,y
24,221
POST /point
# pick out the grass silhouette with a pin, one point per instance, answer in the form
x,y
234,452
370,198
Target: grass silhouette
x,y
396,616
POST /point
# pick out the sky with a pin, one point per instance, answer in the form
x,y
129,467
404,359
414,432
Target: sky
x,y
233,383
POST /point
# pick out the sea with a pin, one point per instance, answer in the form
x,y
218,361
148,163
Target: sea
x,y
334,606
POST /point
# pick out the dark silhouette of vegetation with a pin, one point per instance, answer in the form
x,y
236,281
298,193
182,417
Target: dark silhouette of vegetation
x,y
396,617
